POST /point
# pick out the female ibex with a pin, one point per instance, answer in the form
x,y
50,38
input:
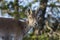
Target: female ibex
x,y
17,29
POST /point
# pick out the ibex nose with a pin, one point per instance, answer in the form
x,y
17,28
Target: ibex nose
x,y
36,24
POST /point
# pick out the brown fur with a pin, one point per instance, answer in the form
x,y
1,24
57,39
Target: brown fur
x,y
10,26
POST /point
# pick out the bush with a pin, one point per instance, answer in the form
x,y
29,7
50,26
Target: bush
x,y
40,37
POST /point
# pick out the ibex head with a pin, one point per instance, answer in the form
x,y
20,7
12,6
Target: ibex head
x,y
31,17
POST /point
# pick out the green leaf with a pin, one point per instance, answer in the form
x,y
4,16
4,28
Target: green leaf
x,y
22,15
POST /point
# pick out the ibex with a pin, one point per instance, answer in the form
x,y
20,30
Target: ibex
x,y
11,28
17,29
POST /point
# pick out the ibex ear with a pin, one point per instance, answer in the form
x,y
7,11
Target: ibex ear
x,y
26,12
30,11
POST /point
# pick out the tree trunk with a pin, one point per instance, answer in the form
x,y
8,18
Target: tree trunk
x,y
41,19
42,8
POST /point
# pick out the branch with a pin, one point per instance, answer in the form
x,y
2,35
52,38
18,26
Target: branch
x,y
53,5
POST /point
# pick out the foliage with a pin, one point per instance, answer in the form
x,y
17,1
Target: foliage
x,y
22,15
41,37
